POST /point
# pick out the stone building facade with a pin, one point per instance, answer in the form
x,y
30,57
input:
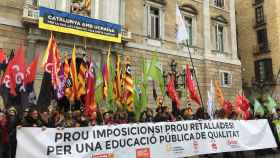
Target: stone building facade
x,y
258,43
148,26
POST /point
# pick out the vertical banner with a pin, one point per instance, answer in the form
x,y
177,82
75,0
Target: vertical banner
x,y
147,140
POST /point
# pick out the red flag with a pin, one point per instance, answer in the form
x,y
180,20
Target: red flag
x,y
246,115
90,104
14,74
31,70
52,63
242,102
105,75
2,56
170,88
190,86
227,107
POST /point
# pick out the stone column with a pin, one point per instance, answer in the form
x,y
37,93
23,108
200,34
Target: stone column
x,y
206,27
28,2
233,29
103,57
30,51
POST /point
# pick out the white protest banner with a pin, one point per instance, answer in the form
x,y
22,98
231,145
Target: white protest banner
x,y
146,140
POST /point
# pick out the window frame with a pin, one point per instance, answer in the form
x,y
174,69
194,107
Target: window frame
x,y
193,18
219,3
154,23
147,23
259,14
220,38
262,40
268,70
222,78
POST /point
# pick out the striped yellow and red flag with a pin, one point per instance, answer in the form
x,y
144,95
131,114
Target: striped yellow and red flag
x,y
88,4
128,87
105,74
47,52
219,94
81,89
72,81
68,84
117,81
66,67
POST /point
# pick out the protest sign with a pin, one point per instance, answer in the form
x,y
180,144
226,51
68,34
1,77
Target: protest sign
x,y
145,140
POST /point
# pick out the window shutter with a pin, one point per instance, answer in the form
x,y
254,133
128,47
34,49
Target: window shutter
x,y
111,11
149,20
230,79
216,37
146,20
257,71
162,23
268,68
222,78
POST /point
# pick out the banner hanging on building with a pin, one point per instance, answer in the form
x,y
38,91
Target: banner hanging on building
x,y
147,140
64,22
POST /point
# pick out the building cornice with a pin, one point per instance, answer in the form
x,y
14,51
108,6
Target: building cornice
x,y
184,53
10,22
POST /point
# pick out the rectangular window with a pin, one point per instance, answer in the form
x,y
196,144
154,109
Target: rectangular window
x,y
262,36
219,3
263,70
189,28
262,41
226,79
154,23
259,15
219,34
110,10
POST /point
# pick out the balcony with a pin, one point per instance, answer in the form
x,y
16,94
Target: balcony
x,y
261,48
267,82
222,54
126,35
30,14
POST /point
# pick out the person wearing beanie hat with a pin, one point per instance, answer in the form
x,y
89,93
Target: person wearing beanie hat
x,y
13,122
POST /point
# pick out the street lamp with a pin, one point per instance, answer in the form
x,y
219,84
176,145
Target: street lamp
x,y
179,77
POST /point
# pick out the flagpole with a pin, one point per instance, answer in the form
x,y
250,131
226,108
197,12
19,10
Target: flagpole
x,y
198,88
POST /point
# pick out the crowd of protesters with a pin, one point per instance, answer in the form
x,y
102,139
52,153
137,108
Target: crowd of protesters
x,y
53,117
